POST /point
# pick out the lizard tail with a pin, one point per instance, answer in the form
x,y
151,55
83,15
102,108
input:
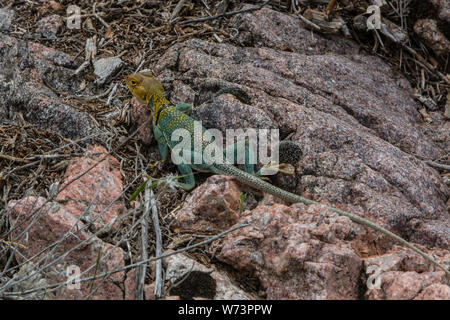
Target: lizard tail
x,y
259,184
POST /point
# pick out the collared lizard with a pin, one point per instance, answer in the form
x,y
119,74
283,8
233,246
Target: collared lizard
x,y
167,118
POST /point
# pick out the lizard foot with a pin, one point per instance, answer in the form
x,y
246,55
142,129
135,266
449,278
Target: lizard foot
x,y
273,168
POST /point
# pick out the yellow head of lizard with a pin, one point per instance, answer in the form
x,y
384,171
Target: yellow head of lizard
x,y
144,87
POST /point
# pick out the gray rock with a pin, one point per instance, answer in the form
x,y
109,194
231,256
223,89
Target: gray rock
x,y
27,70
105,68
6,18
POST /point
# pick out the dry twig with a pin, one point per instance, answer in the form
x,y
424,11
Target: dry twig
x,y
226,14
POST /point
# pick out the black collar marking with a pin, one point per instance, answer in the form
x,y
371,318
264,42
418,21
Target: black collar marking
x,y
164,106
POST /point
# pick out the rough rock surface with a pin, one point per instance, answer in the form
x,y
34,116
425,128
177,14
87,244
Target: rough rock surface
x,y
212,207
28,278
440,128
139,116
97,194
428,30
28,91
353,117
54,5
361,139
295,252
309,252
296,255
53,224
405,275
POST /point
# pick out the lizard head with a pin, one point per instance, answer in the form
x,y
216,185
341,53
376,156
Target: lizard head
x,y
144,86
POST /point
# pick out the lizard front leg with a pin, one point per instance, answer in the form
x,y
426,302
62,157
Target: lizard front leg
x,y
185,169
162,143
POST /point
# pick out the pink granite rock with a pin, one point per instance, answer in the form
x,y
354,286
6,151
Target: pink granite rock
x,y
129,285
96,195
307,252
214,205
57,242
435,292
354,118
296,252
200,281
404,275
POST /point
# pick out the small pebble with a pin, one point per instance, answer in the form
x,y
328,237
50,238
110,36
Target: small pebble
x,y
6,17
105,68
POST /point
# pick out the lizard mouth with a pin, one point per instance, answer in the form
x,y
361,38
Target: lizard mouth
x,y
129,81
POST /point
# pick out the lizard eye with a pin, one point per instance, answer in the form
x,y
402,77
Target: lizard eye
x,y
133,82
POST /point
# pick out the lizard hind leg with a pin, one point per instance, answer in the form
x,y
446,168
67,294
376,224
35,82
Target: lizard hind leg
x,y
187,164
188,177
